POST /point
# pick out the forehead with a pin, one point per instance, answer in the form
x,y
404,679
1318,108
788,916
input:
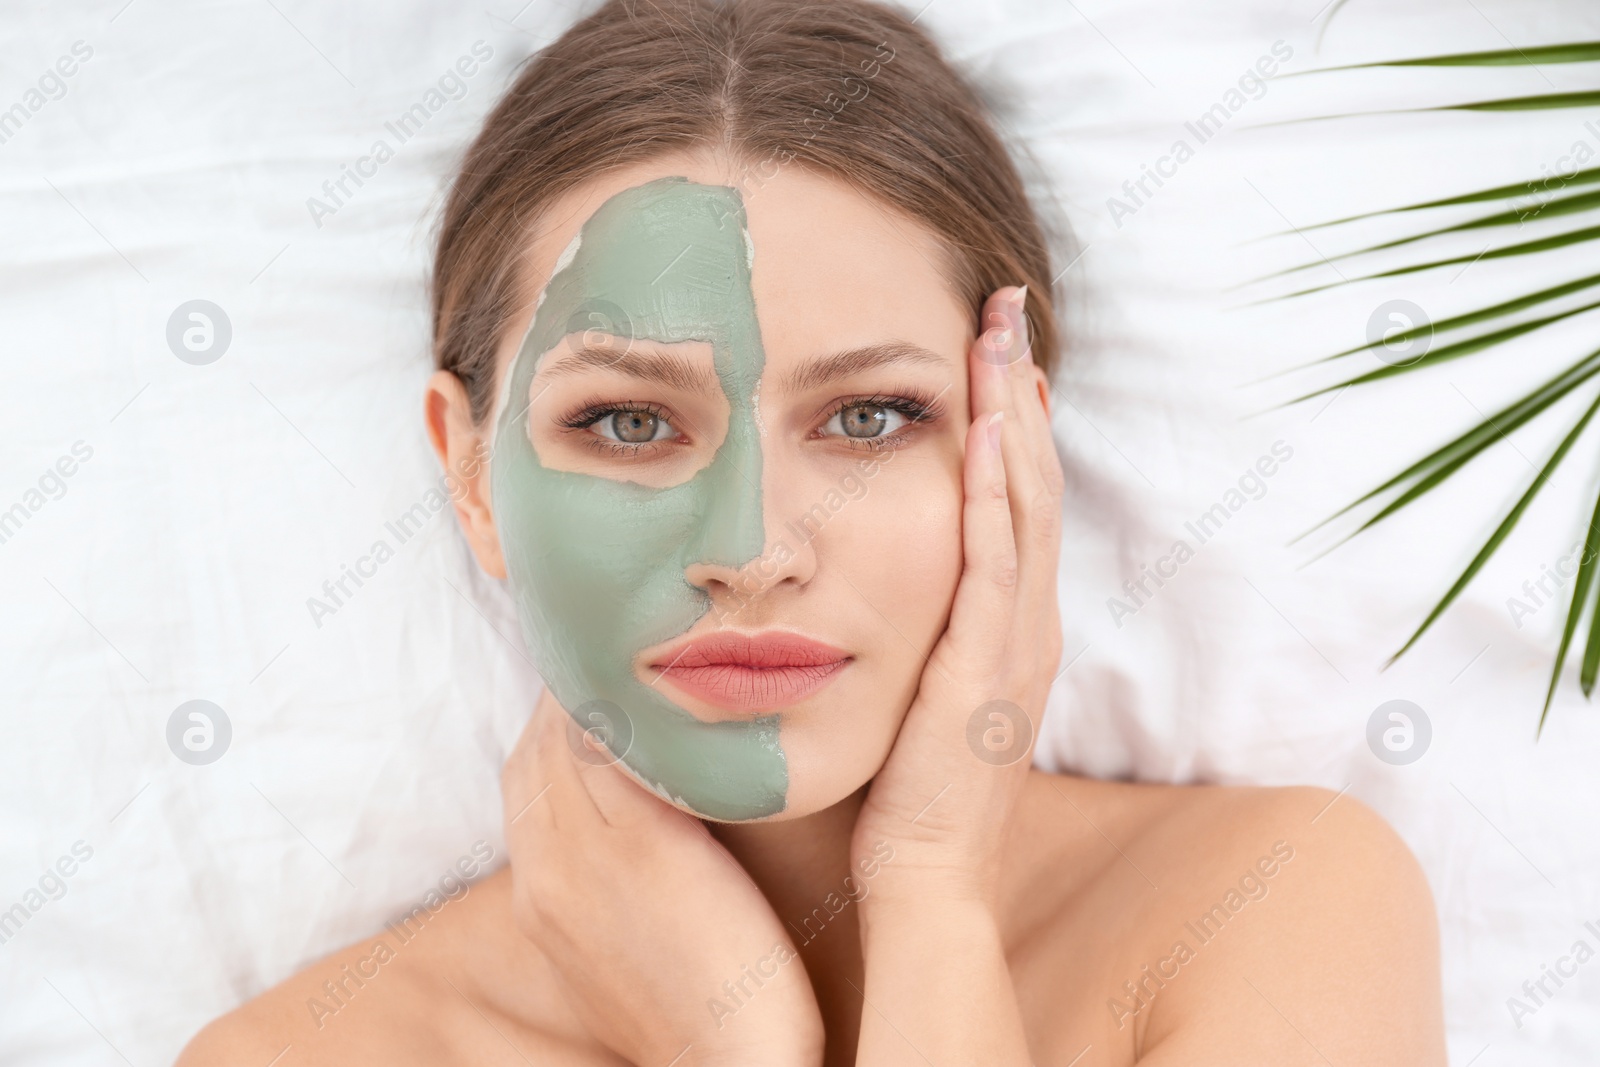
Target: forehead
x,y
832,269
668,260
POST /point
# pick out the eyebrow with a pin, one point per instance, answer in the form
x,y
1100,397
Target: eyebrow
x,y
678,372
663,368
844,364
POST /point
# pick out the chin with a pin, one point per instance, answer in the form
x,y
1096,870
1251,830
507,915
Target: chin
x,y
831,759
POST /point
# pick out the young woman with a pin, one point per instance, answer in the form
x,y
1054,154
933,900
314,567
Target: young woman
x,y
744,329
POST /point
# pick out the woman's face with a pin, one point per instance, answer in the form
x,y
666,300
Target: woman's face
x,y
725,477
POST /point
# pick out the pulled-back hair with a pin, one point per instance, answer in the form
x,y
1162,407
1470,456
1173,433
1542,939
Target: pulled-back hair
x,y
847,88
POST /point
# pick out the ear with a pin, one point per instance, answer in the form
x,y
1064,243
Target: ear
x,y
464,450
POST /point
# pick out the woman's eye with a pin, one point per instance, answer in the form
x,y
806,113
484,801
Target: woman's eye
x,y
865,420
632,427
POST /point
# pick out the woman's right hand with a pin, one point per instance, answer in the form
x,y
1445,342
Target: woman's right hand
x,y
645,916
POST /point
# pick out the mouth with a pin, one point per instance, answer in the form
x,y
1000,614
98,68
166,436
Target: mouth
x,y
749,672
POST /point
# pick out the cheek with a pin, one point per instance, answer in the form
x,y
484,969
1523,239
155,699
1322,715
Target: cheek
x,y
898,548
595,564
905,556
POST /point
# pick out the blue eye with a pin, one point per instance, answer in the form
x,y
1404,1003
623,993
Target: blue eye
x,y
865,420
632,427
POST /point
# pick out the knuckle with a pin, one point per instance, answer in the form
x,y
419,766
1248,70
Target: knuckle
x,y
1048,498
1046,537
1045,518
1055,480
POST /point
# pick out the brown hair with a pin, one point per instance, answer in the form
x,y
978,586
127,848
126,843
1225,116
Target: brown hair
x,y
847,88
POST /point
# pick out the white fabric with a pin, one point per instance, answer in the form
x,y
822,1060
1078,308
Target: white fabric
x,y
364,760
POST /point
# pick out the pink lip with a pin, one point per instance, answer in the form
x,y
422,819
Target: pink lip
x,y
750,672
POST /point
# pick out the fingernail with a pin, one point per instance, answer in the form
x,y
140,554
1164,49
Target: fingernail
x,y
994,430
1020,340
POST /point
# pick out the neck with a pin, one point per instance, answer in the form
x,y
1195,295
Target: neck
x,y
802,866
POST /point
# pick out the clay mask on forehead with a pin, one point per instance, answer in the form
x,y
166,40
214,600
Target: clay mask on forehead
x,y
597,566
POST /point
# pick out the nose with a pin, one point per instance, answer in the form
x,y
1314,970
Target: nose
x,y
783,562
742,553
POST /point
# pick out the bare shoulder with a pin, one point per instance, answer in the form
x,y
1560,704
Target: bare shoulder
x,y
321,1016
1340,959
1281,925
434,987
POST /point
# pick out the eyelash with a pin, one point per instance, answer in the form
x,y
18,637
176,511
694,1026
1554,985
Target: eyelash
x,y
592,413
918,408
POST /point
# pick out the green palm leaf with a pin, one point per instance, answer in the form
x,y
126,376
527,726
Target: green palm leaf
x,y
1444,461
1588,176
1580,593
1455,322
1563,196
1590,98
1504,528
1591,658
1451,351
1566,205
1582,52
1543,244
1541,102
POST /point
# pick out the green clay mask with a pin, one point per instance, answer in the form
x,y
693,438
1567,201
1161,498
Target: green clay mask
x,y
597,565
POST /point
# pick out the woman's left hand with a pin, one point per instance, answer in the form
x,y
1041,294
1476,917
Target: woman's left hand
x,y
945,795
646,919
937,977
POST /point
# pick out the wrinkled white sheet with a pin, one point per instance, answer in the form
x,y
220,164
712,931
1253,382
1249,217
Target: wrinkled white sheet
x,y
175,562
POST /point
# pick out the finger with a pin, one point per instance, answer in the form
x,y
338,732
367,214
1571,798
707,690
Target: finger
x,y
1031,394
1037,482
1022,443
598,740
1004,378
981,615
1001,374
990,357
623,801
